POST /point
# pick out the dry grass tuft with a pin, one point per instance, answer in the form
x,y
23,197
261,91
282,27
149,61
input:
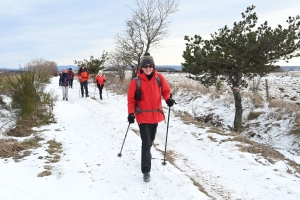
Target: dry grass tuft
x,y
54,147
20,131
257,100
117,86
33,142
216,130
48,167
297,119
266,151
10,148
289,106
253,115
44,173
253,147
212,138
188,119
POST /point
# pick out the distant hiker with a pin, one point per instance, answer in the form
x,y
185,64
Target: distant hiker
x,y
71,75
144,104
83,76
100,79
64,81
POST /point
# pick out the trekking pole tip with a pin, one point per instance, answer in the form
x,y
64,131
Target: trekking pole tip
x,y
119,155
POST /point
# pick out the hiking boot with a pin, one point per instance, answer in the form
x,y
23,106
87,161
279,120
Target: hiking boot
x,y
146,177
67,99
63,98
87,95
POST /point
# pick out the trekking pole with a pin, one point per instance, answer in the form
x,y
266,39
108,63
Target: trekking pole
x,y
107,93
95,90
164,163
79,88
120,154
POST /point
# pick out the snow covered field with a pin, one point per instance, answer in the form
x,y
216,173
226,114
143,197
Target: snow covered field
x,y
201,163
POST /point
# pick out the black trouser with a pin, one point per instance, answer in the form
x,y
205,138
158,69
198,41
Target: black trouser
x,y
85,86
147,132
100,87
71,83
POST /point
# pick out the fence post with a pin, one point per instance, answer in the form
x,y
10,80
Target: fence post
x,y
267,89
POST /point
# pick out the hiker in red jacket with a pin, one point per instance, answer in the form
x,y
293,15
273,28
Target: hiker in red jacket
x,y
145,105
100,79
83,77
71,75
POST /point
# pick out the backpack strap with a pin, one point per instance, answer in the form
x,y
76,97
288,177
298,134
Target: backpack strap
x,y
158,80
138,82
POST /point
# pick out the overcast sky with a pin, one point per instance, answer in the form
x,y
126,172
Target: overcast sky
x,y
66,30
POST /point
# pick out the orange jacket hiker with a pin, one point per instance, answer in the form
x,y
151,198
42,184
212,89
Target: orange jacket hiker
x,y
100,79
144,102
83,75
151,98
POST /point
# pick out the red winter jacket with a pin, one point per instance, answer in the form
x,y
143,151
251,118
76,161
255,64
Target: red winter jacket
x,y
100,79
150,102
83,76
71,74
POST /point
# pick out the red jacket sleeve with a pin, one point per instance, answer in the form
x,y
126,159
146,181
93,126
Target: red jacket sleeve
x,y
130,97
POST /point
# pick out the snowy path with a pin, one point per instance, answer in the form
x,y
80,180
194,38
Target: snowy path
x,y
92,134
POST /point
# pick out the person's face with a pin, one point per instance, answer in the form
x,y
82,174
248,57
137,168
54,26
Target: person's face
x,y
147,69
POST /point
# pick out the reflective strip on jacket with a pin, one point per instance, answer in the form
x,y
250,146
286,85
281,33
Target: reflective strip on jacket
x,y
151,99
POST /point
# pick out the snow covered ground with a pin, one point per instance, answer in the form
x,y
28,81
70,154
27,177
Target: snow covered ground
x,y
201,164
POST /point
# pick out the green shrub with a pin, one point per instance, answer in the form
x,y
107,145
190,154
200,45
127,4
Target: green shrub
x,y
30,101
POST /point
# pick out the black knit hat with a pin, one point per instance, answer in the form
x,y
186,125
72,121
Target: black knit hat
x,y
147,59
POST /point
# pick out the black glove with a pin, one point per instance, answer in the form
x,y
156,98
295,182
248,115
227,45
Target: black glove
x,y
131,118
104,81
170,102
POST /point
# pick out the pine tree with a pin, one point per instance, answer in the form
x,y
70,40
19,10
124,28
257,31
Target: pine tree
x,y
241,52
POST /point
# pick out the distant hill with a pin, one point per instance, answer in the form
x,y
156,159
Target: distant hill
x,y
60,68
169,67
290,68
159,67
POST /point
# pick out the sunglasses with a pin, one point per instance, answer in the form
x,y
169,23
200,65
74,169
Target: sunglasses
x,y
147,66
